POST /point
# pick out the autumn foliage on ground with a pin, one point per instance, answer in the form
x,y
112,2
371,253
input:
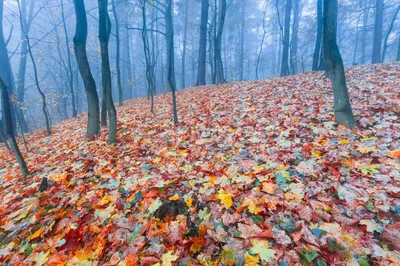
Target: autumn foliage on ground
x,y
256,173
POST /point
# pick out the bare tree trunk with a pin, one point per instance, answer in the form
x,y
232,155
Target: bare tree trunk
x,y
80,38
334,64
26,23
356,45
318,41
242,29
104,37
262,41
70,72
295,37
201,76
44,105
118,55
365,25
376,52
385,43
286,40
398,50
6,102
169,36
184,44
220,76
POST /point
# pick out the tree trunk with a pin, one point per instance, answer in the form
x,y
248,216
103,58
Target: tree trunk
x,y
376,52
184,44
334,64
169,36
201,76
242,30
385,43
286,40
26,23
262,41
104,37
364,35
398,50
80,38
6,102
295,37
220,76
318,41
70,72
117,55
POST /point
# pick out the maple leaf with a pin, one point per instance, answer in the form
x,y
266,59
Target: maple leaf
x,y
261,247
174,197
41,258
168,258
36,234
225,198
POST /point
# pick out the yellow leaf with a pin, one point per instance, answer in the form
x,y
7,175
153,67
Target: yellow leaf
x,y
189,201
59,177
252,206
194,248
344,141
106,199
231,130
36,234
174,197
225,198
250,260
315,153
168,258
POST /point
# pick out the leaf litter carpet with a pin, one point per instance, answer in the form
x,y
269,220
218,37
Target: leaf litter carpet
x,y
257,173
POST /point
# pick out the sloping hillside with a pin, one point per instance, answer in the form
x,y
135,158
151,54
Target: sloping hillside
x,y
256,172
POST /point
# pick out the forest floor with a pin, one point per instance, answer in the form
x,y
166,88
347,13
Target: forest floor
x,y
256,173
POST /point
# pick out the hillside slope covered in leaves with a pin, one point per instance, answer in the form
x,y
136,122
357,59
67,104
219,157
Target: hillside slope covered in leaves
x,y
256,173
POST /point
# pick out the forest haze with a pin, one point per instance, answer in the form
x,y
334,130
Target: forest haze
x,y
199,132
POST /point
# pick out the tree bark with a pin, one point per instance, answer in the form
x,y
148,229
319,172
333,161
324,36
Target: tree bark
x,y
286,40
118,55
318,41
80,38
376,51
169,36
364,35
104,37
398,50
6,102
262,41
201,76
334,64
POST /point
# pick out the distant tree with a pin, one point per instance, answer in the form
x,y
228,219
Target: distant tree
x,y
80,38
69,68
184,44
36,76
385,42
220,76
104,37
366,7
295,37
201,76
334,64
26,19
318,41
169,37
117,54
6,102
286,40
242,36
398,50
262,41
376,51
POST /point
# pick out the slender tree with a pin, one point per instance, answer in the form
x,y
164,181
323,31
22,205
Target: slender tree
x,y
80,38
242,33
398,50
70,71
334,64
295,37
376,51
104,37
364,29
201,76
169,36
318,41
184,44
385,42
262,41
117,54
219,67
286,40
